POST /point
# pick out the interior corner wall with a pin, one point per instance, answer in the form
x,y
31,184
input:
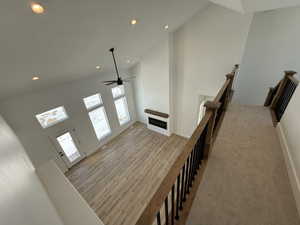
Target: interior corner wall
x,y
272,47
205,49
20,113
23,199
152,83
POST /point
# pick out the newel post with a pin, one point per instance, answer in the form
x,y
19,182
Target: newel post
x,y
229,90
213,107
281,87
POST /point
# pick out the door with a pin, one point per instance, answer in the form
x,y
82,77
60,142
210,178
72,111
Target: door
x,y
67,148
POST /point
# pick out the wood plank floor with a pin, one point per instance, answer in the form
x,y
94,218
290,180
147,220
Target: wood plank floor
x,y
119,180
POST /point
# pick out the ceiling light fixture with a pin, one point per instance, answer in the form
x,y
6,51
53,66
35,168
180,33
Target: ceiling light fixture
x,y
166,27
128,61
133,22
35,78
37,8
98,67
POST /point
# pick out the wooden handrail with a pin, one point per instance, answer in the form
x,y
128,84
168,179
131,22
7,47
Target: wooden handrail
x,y
279,97
293,79
190,162
158,198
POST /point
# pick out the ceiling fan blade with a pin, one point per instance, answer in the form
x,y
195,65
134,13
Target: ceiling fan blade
x,y
108,81
127,79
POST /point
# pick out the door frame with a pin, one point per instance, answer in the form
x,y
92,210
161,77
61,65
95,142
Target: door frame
x,y
59,151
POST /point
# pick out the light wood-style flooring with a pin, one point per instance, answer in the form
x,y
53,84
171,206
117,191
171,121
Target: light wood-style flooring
x,y
119,180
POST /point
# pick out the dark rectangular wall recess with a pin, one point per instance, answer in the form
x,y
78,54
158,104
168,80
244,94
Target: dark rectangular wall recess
x,y
158,123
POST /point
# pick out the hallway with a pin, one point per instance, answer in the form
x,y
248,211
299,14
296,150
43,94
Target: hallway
x,y
246,181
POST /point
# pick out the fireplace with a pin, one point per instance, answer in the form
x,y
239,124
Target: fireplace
x,y
158,121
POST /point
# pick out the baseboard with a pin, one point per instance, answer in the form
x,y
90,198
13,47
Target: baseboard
x,y
290,165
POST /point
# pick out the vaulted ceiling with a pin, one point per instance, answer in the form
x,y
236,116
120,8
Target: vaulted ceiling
x,y
72,37
248,6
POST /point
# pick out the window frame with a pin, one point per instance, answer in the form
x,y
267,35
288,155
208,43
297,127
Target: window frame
x,y
55,123
120,97
96,107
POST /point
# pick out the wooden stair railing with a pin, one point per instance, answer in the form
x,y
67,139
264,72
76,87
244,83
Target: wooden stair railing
x,y
279,97
171,203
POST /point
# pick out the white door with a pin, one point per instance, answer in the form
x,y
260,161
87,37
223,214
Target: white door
x,y
67,148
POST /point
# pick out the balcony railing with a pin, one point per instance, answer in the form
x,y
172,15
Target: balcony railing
x,y
279,97
173,199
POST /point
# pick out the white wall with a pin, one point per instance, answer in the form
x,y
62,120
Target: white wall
x,y
289,129
20,114
152,83
206,49
272,47
72,208
22,197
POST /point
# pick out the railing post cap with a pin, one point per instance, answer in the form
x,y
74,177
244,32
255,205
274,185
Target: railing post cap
x,y
212,105
229,76
290,72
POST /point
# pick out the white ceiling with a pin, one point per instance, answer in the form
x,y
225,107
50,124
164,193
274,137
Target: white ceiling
x,y
248,6
73,36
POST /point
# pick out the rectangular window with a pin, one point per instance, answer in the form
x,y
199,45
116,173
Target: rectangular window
x,y
97,115
121,104
118,91
92,101
52,117
99,121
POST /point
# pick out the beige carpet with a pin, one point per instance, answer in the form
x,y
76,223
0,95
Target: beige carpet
x,y
246,181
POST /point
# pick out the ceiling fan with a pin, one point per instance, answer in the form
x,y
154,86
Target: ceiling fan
x,y
119,80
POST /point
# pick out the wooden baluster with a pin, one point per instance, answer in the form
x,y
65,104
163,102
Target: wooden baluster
x,y
210,106
182,188
173,205
281,88
177,197
158,221
167,211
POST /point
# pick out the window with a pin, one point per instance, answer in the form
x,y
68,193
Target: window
x,y
97,115
121,104
92,101
66,142
52,117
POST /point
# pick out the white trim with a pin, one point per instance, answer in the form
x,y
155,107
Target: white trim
x,y
294,180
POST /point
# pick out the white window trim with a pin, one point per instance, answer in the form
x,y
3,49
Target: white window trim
x,y
106,118
117,98
55,123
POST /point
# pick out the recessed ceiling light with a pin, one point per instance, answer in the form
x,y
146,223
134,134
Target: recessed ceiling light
x,y
37,8
128,61
98,67
133,22
166,27
35,78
